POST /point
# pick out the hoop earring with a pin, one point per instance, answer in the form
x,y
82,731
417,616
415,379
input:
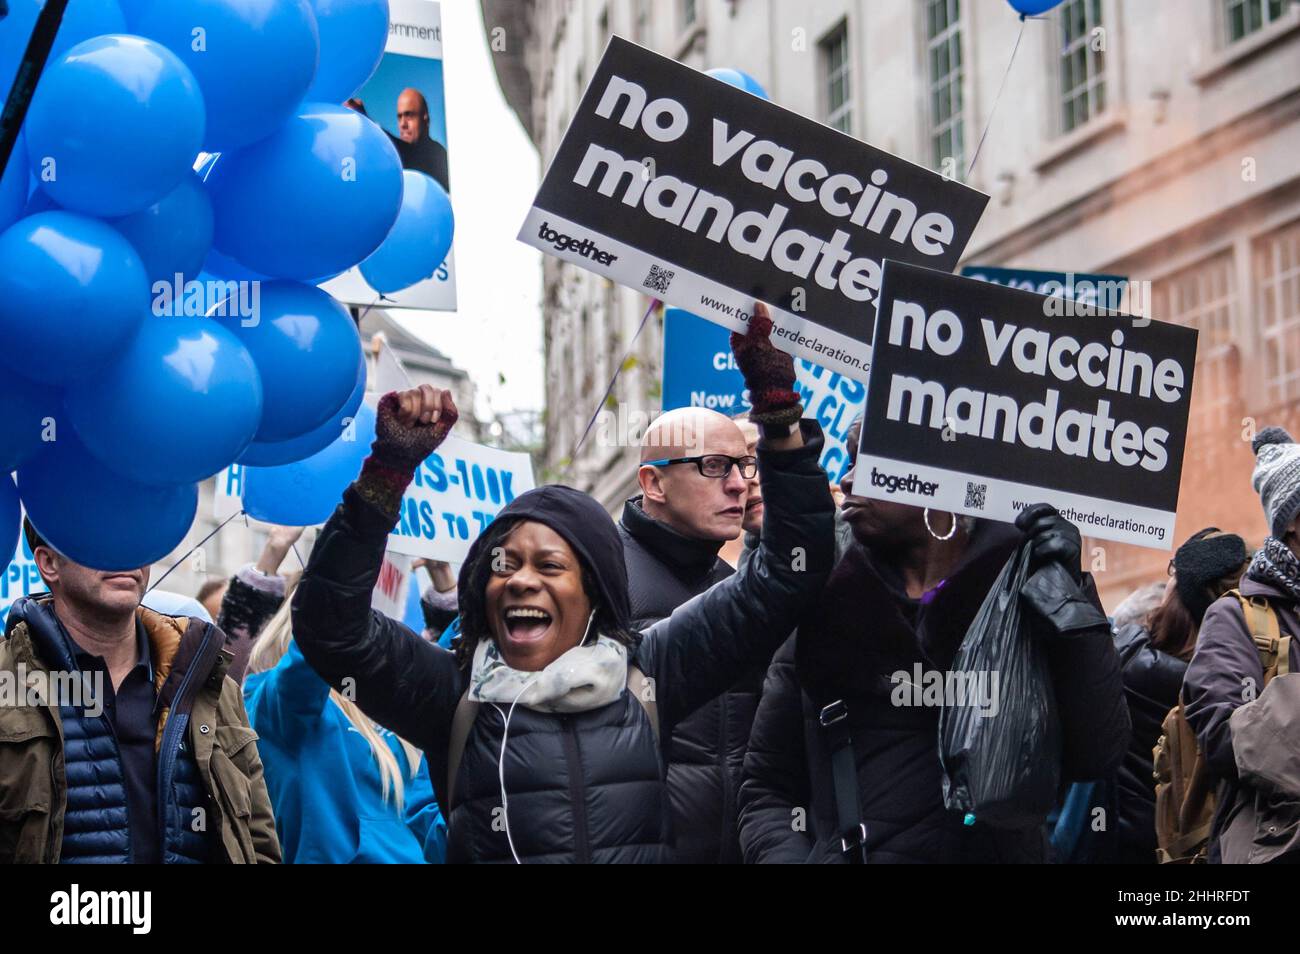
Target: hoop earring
x,y
951,530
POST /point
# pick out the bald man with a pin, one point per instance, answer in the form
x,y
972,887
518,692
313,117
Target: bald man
x,y
689,495
694,479
416,150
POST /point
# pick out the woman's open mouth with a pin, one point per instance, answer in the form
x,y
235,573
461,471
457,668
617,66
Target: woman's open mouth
x,y
526,624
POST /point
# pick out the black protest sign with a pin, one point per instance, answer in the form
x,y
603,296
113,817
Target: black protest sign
x,y
984,399
708,197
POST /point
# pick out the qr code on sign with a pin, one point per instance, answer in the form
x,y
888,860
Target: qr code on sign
x,y
975,495
658,279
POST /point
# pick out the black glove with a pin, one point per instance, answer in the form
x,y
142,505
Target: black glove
x,y
1053,539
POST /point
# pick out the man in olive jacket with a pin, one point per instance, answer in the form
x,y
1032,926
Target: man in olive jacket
x,y
122,740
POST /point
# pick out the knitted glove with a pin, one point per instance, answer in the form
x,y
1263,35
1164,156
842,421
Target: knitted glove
x,y
398,450
769,372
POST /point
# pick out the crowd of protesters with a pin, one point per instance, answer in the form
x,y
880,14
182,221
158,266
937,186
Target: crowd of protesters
x,y
708,679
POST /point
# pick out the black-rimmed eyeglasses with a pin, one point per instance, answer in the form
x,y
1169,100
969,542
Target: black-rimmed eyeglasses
x,y
713,465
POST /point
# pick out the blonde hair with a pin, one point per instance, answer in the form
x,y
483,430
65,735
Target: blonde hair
x,y
269,648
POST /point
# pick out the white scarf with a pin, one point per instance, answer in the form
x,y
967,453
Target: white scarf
x,y
584,678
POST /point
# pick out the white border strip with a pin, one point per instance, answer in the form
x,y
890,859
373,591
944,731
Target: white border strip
x,y
631,266
1153,528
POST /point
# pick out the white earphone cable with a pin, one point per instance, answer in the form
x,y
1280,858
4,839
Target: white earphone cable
x,y
501,765
505,734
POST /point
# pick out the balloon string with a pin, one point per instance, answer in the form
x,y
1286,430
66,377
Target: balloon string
x,y
617,371
30,68
989,122
219,528
362,317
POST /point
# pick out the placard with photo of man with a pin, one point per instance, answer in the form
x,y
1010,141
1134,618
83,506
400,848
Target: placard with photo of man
x,y
405,98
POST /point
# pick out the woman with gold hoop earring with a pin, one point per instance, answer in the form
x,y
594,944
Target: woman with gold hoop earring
x,y
846,733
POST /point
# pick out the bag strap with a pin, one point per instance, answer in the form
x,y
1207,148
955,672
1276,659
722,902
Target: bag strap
x,y
467,711
461,723
1261,619
1191,847
844,772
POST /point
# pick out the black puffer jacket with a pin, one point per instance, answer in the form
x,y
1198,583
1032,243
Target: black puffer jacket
x,y
1152,680
586,786
863,629
706,750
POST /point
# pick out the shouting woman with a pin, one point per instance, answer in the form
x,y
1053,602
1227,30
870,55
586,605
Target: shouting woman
x,y
544,728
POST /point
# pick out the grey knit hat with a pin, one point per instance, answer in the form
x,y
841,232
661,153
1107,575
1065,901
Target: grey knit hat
x,y
1277,477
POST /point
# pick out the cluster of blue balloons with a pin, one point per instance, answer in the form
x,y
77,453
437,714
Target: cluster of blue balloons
x,y
184,178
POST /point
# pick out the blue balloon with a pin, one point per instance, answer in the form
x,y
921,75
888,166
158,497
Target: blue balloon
x,y
82,20
23,422
352,38
174,234
315,198
306,346
133,10
306,492
222,268
299,448
38,201
72,294
119,120
253,59
420,238
1032,8
98,518
13,186
179,406
739,80
216,265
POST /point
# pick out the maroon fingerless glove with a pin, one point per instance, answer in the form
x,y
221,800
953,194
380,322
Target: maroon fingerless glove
x,y
769,374
396,453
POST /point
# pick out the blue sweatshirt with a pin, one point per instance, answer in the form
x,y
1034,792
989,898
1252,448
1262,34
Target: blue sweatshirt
x,y
323,780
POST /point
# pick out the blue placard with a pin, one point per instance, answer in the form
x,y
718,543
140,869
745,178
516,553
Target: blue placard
x,y
20,578
699,371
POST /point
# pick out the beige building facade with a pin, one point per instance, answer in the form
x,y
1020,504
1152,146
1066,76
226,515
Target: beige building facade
x,y
1158,139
